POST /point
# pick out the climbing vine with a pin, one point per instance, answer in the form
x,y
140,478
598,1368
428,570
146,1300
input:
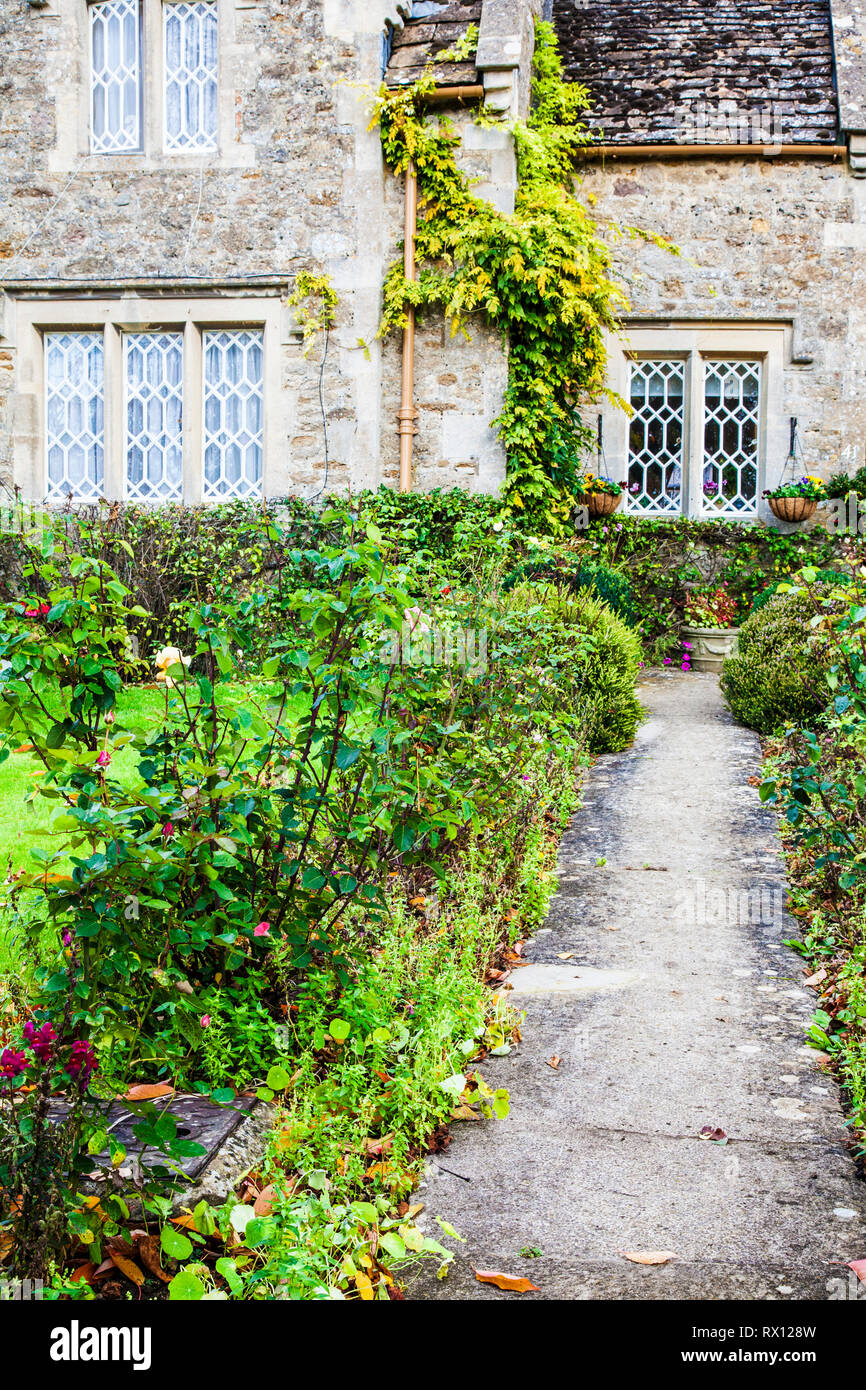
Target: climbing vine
x,y
315,302
541,275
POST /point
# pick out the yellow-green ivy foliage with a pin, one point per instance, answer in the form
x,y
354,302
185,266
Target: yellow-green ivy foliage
x,y
542,275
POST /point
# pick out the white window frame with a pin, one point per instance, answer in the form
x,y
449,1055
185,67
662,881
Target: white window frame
x,y
769,344
71,86
129,491
137,146
113,318
206,146
93,489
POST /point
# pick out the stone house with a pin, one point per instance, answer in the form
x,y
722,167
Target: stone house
x,y
738,131
168,166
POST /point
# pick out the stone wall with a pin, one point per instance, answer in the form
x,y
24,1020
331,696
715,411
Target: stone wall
x,y
298,183
763,241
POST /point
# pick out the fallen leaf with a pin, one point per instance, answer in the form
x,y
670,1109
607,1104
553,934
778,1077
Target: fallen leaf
x,y
564,955
511,1282
464,1112
417,902
554,1062
364,1287
379,1170
648,1257
378,1147
148,1253
714,1135
816,979
84,1273
859,1268
143,1091
127,1267
186,1221
264,1203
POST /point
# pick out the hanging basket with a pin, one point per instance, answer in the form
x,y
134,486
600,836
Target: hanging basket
x,y
602,503
792,509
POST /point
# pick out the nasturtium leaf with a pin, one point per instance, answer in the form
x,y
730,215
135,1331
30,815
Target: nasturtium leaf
x,y
186,1287
175,1243
278,1078
394,1246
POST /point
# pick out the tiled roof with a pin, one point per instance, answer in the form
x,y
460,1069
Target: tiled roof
x,y
436,28
711,71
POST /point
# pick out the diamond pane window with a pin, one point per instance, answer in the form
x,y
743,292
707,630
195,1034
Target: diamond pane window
x,y
233,395
190,32
655,452
115,66
732,398
153,376
74,412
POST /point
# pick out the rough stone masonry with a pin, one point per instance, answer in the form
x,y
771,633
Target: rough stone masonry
x,y
297,181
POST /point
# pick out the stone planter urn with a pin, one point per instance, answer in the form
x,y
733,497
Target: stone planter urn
x,y
710,646
792,509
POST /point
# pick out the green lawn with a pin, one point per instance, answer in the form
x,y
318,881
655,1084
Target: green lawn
x,y
23,813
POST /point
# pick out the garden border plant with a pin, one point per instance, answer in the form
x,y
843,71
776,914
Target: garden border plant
x,y
331,768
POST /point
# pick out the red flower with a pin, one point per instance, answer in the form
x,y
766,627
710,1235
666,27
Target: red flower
x,y
446,591
40,1039
167,830
82,1063
12,1064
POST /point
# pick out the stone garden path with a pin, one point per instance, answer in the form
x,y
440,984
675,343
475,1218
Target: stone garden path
x,y
679,1008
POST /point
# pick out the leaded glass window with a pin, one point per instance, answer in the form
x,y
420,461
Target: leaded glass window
x,y
153,378
190,32
115,64
233,399
74,414
655,462
732,400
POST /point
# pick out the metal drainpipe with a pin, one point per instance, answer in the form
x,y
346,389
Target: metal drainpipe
x,y
408,414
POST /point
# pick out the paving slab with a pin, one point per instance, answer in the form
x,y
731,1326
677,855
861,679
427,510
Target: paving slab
x,y
678,1007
